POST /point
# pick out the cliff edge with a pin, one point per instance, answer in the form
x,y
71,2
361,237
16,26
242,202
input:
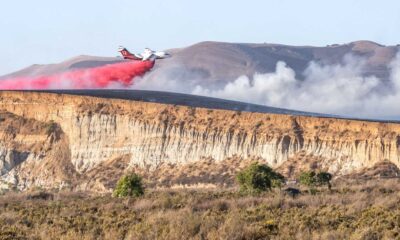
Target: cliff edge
x,y
58,140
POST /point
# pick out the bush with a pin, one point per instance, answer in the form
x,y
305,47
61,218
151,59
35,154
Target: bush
x,y
257,178
129,186
308,179
312,179
324,178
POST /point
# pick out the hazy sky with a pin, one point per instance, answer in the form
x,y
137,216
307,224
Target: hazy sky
x,y
48,31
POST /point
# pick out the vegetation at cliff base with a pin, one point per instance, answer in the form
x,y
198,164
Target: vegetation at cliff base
x,y
349,211
258,178
129,186
312,179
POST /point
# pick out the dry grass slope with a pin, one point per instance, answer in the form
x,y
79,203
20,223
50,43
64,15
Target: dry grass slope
x,y
365,210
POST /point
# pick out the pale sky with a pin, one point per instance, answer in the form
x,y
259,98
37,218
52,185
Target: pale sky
x,y
49,31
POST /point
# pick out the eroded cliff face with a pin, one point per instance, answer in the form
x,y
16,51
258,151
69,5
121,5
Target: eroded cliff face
x,y
74,136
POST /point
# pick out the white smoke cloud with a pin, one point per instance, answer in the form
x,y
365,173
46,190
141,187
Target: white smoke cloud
x,y
336,89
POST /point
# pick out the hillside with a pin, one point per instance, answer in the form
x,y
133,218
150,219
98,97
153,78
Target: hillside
x,y
218,62
67,65
181,99
55,140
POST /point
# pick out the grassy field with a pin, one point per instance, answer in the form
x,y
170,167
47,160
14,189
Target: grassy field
x,y
367,210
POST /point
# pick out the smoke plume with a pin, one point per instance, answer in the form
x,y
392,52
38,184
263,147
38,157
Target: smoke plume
x,y
340,89
112,75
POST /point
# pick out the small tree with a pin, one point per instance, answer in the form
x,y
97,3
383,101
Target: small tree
x,y
324,178
312,179
129,186
308,179
257,178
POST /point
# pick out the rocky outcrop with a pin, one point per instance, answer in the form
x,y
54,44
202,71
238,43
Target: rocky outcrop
x,y
75,135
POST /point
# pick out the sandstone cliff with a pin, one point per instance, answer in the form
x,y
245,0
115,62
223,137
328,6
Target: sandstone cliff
x,y
55,140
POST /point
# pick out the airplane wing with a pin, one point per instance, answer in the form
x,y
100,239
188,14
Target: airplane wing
x,y
162,55
147,56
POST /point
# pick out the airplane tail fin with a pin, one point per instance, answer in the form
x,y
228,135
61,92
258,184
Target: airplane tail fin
x,y
125,53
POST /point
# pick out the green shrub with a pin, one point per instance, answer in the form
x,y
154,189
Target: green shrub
x,y
308,179
324,178
312,179
258,178
129,186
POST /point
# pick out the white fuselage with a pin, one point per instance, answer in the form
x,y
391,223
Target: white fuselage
x,y
151,55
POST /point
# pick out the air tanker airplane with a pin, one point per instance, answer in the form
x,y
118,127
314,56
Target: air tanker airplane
x,y
147,55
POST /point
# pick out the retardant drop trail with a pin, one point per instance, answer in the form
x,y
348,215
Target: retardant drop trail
x,y
118,74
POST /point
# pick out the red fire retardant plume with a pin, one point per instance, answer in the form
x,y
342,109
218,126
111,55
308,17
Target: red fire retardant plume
x,y
112,75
